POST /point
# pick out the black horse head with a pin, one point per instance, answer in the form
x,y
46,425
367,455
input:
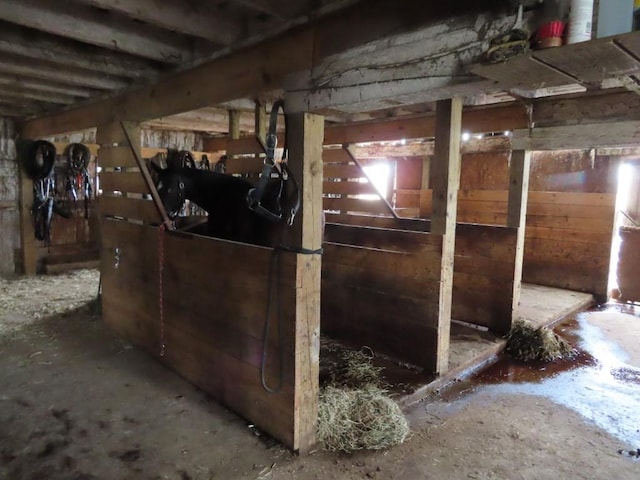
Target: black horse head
x,y
227,201
171,189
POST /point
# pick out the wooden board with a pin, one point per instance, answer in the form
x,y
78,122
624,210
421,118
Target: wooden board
x,y
522,72
386,300
375,206
629,265
212,323
130,208
126,182
484,265
590,61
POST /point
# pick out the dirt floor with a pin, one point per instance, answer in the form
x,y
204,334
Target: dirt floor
x,y
77,403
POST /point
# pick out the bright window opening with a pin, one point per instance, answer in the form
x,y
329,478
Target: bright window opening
x,y
379,176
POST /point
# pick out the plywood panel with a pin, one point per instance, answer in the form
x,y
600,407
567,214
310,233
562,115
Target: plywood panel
x,y
523,72
591,61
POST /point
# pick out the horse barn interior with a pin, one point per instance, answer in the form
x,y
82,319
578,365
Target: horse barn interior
x,y
449,196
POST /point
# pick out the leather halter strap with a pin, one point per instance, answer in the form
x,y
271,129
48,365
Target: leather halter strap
x,y
254,197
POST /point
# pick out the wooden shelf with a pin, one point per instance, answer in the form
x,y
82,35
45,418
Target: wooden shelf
x,y
585,63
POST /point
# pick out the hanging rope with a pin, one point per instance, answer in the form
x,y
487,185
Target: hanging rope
x,y
161,230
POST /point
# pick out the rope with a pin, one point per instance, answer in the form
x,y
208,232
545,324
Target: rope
x,y
274,266
161,230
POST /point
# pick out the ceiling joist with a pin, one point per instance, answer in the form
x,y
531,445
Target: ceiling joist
x,y
39,46
192,18
96,27
62,75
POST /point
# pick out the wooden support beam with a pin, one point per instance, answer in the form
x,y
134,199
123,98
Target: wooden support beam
x,y
445,180
519,167
252,70
196,18
616,134
260,120
474,120
234,124
305,145
96,27
28,251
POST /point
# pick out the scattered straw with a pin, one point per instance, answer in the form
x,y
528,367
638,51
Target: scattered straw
x,y
356,419
529,343
355,412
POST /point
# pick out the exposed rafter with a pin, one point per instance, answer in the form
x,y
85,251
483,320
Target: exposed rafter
x,y
192,18
44,86
36,45
64,75
96,27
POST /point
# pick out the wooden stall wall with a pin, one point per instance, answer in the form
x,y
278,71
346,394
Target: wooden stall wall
x,y
484,261
380,287
199,304
570,213
483,275
570,220
9,196
629,264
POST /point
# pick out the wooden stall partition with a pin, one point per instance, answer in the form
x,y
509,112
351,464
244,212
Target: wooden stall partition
x,y
208,327
629,264
568,240
239,321
347,190
483,275
381,288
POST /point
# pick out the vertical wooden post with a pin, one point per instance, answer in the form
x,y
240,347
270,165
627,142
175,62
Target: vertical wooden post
x,y
27,234
234,124
445,180
306,133
260,120
516,216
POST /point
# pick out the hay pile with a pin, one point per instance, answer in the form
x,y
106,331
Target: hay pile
x,y
529,343
355,412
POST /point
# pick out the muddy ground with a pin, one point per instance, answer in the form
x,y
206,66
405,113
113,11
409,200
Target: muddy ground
x,y
78,403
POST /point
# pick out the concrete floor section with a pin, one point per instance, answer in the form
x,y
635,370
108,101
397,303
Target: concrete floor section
x,y
78,403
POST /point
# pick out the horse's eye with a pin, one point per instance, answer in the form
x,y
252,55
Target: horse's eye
x,y
181,186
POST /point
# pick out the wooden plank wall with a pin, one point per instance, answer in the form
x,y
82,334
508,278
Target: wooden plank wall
x,y
569,217
211,324
629,265
343,187
570,220
380,288
483,271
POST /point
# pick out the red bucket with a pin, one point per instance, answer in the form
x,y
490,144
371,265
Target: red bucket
x,y
553,29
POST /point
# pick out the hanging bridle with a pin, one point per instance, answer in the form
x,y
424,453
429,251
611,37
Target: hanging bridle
x,y
255,195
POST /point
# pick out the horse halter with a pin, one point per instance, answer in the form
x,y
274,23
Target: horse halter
x,y
254,197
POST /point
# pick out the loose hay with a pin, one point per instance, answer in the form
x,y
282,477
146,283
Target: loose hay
x,y
355,412
356,419
529,343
